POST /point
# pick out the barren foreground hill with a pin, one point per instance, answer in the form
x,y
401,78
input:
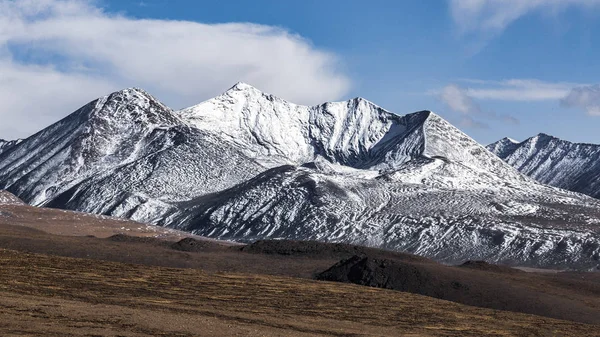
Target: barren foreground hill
x,y
77,297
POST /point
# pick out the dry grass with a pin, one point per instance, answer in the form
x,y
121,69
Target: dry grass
x,y
61,222
49,295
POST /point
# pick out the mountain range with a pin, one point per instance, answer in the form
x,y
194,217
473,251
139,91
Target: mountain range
x,y
247,165
553,161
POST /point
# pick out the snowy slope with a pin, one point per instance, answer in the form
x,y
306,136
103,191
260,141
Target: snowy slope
x,y
501,225
9,199
247,165
123,154
556,162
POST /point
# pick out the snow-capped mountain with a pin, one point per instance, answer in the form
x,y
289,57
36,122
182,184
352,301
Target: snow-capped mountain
x,y
124,154
553,161
247,165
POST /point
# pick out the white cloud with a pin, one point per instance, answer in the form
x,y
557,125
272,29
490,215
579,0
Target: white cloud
x,y
461,100
56,55
32,97
585,97
486,19
464,100
458,100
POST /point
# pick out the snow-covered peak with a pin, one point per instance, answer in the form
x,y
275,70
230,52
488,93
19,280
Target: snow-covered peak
x,y
7,198
507,140
503,147
443,140
131,101
243,91
107,132
554,161
240,86
542,137
355,133
361,100
507,146
267,126
131,91
354,105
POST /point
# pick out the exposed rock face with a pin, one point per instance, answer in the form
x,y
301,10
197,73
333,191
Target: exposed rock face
x,y
6,144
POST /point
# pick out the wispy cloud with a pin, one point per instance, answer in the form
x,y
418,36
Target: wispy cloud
x,y
486,19
470,123
585,97
518,89
57,54
467,97
460,100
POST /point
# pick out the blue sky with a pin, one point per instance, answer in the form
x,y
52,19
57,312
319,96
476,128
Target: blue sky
x,y
493,68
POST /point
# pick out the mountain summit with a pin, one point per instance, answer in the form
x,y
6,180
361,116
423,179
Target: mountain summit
x,y
247,165
354,133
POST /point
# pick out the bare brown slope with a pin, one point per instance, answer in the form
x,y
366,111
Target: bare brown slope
x,y
573,296
55,221
57,296
489,287
154,252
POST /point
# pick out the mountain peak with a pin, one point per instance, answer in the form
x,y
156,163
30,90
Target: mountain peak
x,y
427,113
360,99
503,147
242,86
131,90
510,140
132,93
356,101
542,135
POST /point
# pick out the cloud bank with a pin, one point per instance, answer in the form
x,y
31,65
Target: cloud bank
x,y
55,55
